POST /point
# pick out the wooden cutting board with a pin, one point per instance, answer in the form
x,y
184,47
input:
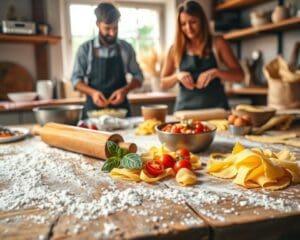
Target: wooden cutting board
x,y
14,78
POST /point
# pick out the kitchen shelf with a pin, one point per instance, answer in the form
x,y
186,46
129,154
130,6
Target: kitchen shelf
x,y
270,27
237,4
248,91
33,39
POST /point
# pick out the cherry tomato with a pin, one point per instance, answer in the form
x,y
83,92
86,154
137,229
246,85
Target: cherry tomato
x,y
175,129
93,126
182,164
183,153
83,125
154,167
167,161
199,128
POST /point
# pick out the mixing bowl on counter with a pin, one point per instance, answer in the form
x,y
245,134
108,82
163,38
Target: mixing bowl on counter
x,y
66,114
193,135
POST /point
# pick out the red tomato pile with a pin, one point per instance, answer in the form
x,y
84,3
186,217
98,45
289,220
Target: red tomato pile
x,y
188,127
157,166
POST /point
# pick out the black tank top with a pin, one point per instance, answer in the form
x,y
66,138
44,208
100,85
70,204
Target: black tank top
x,y
212,96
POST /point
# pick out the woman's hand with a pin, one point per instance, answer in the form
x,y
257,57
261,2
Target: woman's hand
x,y
206,77
186,79
99,99
117,97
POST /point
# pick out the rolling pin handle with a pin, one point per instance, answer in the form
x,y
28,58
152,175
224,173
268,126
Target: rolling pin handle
x,y
131,147
36,130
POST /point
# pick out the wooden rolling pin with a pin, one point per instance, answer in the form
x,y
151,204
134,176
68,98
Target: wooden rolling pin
x,y
80,140
201,114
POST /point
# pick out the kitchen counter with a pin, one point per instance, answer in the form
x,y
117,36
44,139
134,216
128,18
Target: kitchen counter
x,y
21,112
134,98
53,194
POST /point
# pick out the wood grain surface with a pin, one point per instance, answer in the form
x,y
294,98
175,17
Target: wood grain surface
x,y
211,209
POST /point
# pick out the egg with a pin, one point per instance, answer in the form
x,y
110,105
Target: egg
x,y
247,119
231,118
239,122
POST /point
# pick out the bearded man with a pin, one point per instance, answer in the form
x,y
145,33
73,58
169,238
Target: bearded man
x,y
102,64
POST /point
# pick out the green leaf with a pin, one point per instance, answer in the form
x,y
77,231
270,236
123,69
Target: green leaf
x,y
110,163
112,148
122,152
131,161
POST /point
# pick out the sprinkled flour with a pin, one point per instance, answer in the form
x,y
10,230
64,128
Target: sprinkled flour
x,y
32,174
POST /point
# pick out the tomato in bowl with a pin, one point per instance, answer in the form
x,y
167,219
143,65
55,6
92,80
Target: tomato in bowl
x,y
195,136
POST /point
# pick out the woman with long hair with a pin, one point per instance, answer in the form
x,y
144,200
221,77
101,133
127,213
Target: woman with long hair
x,y
192,62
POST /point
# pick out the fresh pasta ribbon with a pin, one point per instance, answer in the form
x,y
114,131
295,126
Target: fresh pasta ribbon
x,y
287,139
147,127
155,152
195,161
126,174
249,108
185,177
221,124
146,177
253,168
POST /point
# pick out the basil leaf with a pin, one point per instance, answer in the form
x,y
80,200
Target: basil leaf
x,y
112,148
132,161
122,152
110,163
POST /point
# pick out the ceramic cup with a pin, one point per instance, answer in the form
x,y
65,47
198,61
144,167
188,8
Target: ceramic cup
x,y
158,112
44,89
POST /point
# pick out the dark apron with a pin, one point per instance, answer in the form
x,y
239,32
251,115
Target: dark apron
x,y
212,96
107,75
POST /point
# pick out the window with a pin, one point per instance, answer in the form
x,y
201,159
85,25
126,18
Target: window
x,y
140,25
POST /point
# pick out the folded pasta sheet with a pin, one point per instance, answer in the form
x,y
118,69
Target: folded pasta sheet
x,y
252,168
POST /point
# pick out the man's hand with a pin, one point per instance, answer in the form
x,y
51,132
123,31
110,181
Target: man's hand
x,y
117,97
186,79
99,99
206,77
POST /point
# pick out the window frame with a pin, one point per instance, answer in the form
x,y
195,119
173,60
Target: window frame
x,y
157,6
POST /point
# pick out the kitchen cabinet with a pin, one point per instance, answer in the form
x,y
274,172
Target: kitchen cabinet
x,y
33,39
237,4
236,36
277,28
41,42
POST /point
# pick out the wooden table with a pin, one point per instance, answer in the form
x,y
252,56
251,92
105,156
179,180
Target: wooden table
x,y
87,203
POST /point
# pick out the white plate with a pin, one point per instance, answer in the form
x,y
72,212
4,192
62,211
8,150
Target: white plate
x,y
24,133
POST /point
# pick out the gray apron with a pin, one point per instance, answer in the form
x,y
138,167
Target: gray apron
x,y
210,97
107,75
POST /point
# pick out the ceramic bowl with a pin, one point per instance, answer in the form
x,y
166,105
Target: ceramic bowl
x,y
193,142
239,131
257,118
158,112
22,96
